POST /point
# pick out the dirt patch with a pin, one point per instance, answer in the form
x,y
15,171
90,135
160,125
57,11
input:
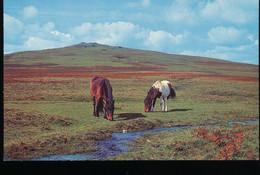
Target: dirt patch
x,y
17,118
135,125
56,143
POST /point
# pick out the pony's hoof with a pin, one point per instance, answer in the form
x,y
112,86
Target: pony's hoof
x,y
105,118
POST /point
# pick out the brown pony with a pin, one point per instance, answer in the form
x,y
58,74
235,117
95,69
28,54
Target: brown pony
x,y
101,89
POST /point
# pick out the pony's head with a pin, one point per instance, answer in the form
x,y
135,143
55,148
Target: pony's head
x,y
147,104
109,106
152,94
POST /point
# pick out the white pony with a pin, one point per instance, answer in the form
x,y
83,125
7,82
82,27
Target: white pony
x,y
162,90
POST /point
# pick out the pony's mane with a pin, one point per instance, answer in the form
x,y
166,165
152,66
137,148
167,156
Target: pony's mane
x,y
108,89
153,93
94,78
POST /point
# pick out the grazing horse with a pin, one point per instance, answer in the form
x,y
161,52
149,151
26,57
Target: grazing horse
x,y
101,89
162,90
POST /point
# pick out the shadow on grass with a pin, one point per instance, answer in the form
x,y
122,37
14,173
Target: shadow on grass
x,y
176,110
129,116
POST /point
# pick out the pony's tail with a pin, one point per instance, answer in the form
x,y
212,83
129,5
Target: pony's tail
x,y
172,92
100,105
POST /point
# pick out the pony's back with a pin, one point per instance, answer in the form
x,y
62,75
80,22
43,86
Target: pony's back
x,y
165,88
157,85
94,84
109,88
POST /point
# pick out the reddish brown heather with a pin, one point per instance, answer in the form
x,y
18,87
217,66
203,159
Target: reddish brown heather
x,y
230,144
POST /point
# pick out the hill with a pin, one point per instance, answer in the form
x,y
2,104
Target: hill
x,y
89,57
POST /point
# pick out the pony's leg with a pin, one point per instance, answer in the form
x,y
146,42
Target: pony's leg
x,y
153,104
161,103
166,104
97,112
94,105
105,113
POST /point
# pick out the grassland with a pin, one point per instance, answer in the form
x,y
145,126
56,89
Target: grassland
x,y
48,107
235,142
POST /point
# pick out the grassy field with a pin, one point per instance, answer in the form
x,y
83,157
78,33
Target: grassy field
x,y
48,108
235,142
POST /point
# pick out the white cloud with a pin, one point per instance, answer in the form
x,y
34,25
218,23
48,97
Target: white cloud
x,y
33,36
36,43
81,30
44,36
235,11
251,38
224,35
127,34
48,26
47,32
12,27
106,33
29,12
140,3
182,12
242,53
186,12
161,40
146,3
57,33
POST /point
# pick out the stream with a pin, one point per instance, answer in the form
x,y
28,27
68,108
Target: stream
x,y
118,144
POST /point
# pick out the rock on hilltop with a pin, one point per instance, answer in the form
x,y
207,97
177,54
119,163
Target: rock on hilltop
x,y
85,45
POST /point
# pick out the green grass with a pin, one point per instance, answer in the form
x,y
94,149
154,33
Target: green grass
x,y
186,145
48,119
75,103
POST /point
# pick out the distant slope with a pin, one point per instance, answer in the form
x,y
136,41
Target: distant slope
x,y
98,57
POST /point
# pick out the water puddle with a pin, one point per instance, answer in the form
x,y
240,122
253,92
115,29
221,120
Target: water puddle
x,y
118,144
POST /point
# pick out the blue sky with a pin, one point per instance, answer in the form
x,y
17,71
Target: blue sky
x,y
224,29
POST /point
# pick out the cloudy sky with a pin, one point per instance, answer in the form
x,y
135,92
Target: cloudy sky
x,y
224,29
